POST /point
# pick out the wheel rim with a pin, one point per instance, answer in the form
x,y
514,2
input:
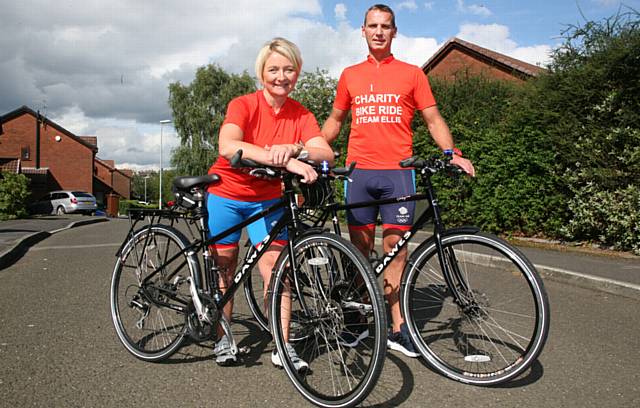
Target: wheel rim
x,y
147,330
498,329
338,375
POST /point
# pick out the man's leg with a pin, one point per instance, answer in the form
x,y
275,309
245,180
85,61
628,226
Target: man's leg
x,y
363,237
393,275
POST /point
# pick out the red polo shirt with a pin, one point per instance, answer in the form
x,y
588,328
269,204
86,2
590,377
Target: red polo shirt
x,y
382,98
261,126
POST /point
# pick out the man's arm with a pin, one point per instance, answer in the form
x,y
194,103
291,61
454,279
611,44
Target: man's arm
x,y
331,127
442,136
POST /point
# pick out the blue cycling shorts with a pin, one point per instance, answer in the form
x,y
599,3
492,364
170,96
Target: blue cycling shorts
x,y
368,185
225,213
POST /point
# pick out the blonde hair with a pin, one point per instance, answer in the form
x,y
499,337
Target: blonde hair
x,y
283,47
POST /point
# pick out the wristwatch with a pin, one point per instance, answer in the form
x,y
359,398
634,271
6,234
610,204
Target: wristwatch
x,y
451,152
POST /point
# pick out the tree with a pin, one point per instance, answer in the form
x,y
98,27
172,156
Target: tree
x,y
316,91
152,184
198,112
14,193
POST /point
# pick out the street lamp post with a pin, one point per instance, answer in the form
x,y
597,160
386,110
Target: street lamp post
x,y
162,122
145,188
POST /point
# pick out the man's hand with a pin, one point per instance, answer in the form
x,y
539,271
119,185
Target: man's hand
x,y
464,164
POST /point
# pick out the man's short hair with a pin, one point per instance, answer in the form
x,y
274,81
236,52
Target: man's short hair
x,y
283,47
384,8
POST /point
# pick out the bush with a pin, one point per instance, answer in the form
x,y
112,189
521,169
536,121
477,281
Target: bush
x,y
590,106
125,205
611,217
14,193
492,122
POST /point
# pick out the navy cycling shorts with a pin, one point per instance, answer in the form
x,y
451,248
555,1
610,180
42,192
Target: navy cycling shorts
x,y
368,185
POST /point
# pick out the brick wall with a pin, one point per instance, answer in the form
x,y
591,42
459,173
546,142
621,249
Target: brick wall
x,y
102,172
122,184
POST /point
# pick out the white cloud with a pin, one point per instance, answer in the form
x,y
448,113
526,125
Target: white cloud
x,y
413,50
340,11
407,5
103,68
496,37
476,9
130,144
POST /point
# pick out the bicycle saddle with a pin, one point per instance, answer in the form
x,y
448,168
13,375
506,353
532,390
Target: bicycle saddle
x,y
186,183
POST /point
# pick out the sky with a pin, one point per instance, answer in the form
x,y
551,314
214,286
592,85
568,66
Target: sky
x,y
102,68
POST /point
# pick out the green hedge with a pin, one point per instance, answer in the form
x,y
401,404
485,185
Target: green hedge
x,y
558,156
124,205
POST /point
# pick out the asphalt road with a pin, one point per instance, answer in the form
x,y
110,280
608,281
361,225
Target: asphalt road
x,y
58,348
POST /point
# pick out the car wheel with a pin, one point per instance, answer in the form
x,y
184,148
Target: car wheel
x,y
60,210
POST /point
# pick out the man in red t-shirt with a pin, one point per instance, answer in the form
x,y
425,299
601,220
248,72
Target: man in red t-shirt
x,y
382,94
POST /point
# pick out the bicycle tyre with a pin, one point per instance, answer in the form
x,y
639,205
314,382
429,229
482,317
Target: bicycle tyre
x,y
253,292
151,322
338,293
505,326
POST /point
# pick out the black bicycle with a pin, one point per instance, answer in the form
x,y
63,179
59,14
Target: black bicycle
x,y
165,289
476,307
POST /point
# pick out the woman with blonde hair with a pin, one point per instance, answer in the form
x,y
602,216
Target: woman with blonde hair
x,y
272,129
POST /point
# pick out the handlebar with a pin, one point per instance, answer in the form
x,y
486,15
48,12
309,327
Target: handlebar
x,y
432,165
263,170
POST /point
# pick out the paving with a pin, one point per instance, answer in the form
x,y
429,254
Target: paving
x,y
617,273
17,236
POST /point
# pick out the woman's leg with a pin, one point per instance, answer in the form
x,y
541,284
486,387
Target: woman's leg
x,y
265,265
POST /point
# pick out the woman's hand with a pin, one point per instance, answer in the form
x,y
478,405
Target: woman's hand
x,y
307,172
279,155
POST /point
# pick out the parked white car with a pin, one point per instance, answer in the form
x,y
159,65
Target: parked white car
x,y
64,202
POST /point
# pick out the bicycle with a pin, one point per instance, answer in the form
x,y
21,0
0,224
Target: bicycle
x,y
165,289
475,306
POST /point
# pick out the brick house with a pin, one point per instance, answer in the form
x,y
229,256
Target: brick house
x,y
458,57
108,179
53,157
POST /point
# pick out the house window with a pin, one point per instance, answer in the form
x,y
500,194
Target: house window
x,y
25,153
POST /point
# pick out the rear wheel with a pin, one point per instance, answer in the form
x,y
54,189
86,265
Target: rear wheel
x,y
500,323
150,298
60,210
337,298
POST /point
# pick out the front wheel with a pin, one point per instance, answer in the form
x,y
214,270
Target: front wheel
x,y
339,314
150,295
483,322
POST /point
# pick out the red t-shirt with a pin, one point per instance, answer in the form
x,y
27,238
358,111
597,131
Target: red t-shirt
x,y
382,99
261,126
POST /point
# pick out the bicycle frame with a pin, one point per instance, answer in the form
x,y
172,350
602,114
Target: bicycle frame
x,y
452,274
210,285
